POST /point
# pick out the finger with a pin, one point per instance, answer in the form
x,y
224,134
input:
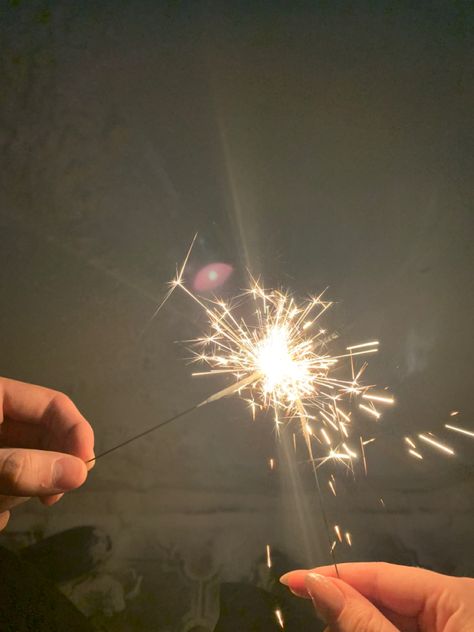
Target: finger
x,y
401,589
24,402
39,473
47,501
343,608
4,518
59,424
21,434
9,502
67,430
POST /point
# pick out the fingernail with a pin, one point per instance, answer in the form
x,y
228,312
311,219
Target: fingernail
x,y
285,579
67,473
328,600
295,582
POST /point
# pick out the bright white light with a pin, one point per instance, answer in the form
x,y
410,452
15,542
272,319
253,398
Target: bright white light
x,y
281,373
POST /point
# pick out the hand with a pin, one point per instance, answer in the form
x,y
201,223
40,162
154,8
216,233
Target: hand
x,y
44,443
379,597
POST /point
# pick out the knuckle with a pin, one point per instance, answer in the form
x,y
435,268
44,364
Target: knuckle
x,y
61,402
11,469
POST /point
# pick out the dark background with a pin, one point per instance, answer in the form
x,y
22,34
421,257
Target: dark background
x,y
318,144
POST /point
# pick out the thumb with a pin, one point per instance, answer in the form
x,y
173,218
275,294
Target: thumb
x,y
39,473
343,608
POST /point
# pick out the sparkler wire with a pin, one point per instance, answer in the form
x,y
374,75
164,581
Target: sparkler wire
x,y
229,390
183,413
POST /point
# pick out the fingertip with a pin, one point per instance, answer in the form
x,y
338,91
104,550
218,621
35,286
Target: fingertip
x,y
90,463
48,501
68,472
295,581
289,578
4,518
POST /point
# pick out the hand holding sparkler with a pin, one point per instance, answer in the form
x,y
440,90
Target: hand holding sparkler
x,y
409,598
44,441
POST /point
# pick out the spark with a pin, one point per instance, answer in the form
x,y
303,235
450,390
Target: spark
x,y
326,436
332,488
269,556
279,617
338,455
362,448
371,411
453,413
379,398
410,442
350,452
415,453
271,463
338,532
461,430
343,429
343,414
348,538
436,444
172,285
364,344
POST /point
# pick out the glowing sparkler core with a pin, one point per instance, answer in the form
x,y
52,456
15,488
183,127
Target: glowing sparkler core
x,y
284,369
273,356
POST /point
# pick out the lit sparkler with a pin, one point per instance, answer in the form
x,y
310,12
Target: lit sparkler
x,y
279,358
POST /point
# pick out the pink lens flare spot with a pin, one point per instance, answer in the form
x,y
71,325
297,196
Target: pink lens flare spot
x,y
212,276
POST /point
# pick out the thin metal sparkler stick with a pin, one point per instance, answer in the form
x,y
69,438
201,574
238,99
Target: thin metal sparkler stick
x,y
225,392
183,413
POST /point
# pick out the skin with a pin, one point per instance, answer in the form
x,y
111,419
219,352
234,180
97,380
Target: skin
x,y
379,597
44,443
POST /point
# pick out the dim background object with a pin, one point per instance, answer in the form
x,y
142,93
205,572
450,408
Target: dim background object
x,y
317,146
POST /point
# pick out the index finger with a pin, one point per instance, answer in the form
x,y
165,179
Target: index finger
x,y
24,402
63,427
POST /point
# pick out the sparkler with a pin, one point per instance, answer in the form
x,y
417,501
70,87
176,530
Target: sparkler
x,y
278,358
